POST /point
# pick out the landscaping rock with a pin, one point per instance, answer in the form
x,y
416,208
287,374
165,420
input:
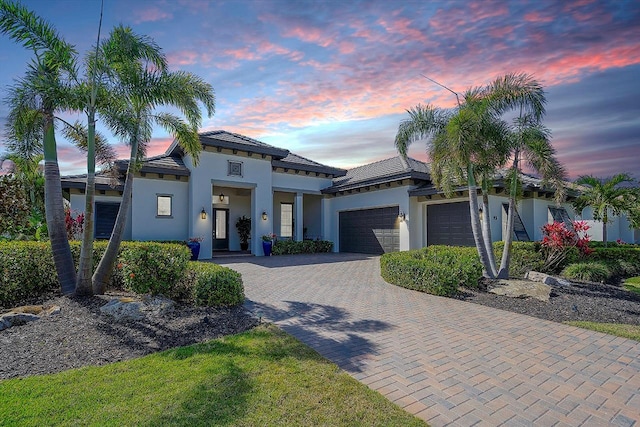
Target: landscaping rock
x,y
126,308
522,289
25,314
536,276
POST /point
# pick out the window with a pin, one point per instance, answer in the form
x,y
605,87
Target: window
x,y
286,219
164,205
235,168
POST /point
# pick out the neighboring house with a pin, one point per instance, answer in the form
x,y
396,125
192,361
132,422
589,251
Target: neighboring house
x,y
384,206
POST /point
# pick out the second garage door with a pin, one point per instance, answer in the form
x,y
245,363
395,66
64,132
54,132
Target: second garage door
x,y
370,231
449,224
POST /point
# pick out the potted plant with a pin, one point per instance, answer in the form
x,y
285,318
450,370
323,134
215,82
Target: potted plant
x,y
267,242
244,230
194,244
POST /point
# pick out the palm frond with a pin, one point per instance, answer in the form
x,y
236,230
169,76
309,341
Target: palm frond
x,y
185,134
78,133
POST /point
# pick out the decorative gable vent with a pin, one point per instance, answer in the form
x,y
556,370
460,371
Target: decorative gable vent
x,y
234,168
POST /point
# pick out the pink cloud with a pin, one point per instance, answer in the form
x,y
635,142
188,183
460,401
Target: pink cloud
x,y
538,17
151,14
309,35
183,57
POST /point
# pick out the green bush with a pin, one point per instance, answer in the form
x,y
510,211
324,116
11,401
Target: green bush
x,y
26,271
154,268
437,270
525,256
290,247
622,260
208,284
587,271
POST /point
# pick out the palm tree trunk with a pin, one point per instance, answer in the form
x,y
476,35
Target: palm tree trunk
x,y
486,228
605,218
54,211
85,270
503,273
105,267
475,224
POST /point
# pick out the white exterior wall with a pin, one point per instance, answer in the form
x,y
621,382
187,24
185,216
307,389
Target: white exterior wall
x,y
398,196
497,218
416,219
309,184
312,206
617,228
77,202
210,173
146,225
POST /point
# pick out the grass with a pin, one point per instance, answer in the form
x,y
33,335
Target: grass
x,y
261,377
632,284
617,329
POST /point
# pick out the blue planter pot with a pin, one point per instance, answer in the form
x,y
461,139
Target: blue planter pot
x,y
266,247
195,250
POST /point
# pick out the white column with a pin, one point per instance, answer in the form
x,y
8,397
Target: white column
x,y
299,216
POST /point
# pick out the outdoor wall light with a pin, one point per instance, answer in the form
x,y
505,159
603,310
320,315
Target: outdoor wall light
x,y
264,216
203,213
221,197
401,216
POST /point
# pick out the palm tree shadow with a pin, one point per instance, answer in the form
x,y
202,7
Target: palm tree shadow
x,y
327,329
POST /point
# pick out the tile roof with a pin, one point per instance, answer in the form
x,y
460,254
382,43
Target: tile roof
x,y
169,164
104,181
379,172
294,161
234,141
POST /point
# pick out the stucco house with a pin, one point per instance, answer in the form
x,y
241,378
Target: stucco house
x,y
384,206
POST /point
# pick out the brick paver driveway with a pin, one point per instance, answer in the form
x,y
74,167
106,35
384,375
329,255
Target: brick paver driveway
x,y
448,361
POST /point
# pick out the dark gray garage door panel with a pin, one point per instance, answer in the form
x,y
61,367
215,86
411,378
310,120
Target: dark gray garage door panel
x,y
449,224
370,231
106,214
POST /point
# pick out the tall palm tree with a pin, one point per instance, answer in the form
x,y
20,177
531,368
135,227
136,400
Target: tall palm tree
x,y
605,196
530,143
469,143
131,116
33,100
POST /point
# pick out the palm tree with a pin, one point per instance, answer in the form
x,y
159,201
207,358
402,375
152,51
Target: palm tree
x,y
469,143
604,196
131,115
33,101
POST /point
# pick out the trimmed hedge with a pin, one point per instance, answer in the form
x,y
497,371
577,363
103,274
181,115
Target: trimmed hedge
x,y
212,285
27,271
154,268
437,270
290,247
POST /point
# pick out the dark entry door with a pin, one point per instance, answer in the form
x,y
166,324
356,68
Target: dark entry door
x,y
220,229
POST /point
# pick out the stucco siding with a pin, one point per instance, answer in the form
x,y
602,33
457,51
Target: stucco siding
x,y
77,202
146,224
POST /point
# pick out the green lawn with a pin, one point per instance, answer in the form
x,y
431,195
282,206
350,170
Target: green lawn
x,y
632,284
262,377
620,330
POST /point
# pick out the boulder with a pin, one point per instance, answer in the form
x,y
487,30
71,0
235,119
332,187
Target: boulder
x,y
126,308
522,289
536,276
25,314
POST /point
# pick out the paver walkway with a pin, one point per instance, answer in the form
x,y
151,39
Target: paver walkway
x,y
447,361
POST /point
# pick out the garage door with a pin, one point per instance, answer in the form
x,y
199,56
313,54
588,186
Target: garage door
x,y
106,214
449,224
370,231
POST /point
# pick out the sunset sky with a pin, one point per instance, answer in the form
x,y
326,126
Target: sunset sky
x,y
331,80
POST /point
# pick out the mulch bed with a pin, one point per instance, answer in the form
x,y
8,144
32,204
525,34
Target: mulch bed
x,y
595,302
80,335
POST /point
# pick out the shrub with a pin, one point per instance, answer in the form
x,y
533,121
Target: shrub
x,y
437,270
525,256
587,271
154,268
26,271
208,284
289,247
558,241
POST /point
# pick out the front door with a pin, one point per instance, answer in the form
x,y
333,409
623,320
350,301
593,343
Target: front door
x,y
220,229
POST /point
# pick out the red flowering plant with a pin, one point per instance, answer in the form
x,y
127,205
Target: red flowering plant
x,y
74,225
558,241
